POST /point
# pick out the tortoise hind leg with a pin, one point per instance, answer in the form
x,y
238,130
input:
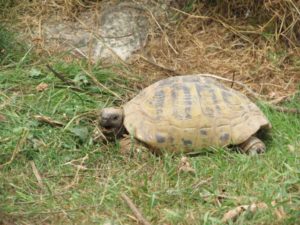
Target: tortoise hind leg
x,y
253,146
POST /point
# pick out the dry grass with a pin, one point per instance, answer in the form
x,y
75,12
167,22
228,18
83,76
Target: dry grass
x,y
279,19
230,46
256,42
216,51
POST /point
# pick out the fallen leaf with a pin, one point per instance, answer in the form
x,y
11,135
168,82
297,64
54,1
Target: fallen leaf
x,y
81,132
2,118
48,120
234,213
34,73
185,166
41,87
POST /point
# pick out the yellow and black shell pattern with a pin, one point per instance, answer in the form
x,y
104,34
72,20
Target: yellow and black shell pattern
x,y
191,112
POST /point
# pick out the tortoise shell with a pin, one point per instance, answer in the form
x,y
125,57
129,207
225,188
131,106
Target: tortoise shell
x,y
185,113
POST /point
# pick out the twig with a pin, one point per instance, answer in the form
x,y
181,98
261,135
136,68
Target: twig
x,y
37,174
76,177
158,65
159,26
64,79
295,6
232,83
18,147
135,210
190,15
285,110
98,135
60,76
91,112
282,99
96,82
48,120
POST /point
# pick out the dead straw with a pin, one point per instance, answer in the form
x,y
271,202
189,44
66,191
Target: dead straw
x,y
37,174
135,210
208,39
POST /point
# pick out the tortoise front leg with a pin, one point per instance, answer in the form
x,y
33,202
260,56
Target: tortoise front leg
x,y
132,148
252,146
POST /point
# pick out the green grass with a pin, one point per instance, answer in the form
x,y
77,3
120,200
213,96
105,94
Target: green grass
x,y
91,194
82,181
11,51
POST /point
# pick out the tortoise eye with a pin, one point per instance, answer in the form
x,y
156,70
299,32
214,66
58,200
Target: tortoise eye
x,y
115,117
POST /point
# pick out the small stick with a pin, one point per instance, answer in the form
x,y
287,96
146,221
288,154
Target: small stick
x,y
96,82
48,120
282,99
159,65
167,39
60,76
135,210
76,177
64,79
190,15
37,174
285,110
233,76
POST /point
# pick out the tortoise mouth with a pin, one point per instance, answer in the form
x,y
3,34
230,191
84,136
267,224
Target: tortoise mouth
x,y
107,127
113,132
108,130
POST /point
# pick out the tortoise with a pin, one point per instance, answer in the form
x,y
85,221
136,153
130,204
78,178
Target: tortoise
x,y
188,113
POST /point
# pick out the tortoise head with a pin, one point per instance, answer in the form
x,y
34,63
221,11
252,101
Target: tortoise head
x,y
111,121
